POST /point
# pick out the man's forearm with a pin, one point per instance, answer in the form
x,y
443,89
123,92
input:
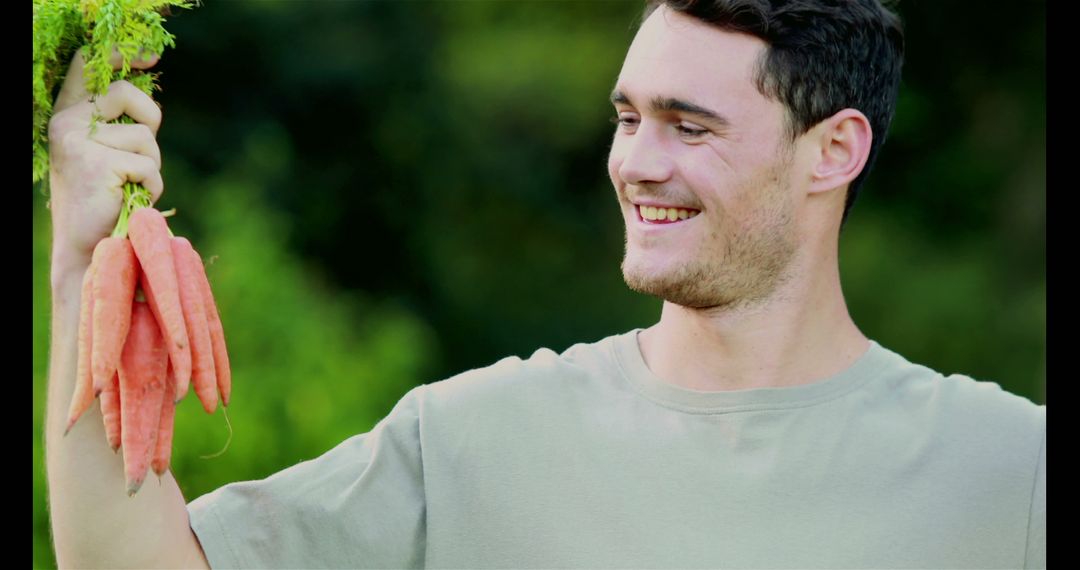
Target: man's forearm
x,y
94,522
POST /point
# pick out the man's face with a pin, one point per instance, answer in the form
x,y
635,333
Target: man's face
x,y
735,173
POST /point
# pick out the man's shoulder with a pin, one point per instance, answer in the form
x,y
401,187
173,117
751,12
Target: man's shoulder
x,y
989,394
542,373
962,398
954,421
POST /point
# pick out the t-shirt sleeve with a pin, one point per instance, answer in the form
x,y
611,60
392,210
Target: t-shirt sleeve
x,y
1036,542
359,505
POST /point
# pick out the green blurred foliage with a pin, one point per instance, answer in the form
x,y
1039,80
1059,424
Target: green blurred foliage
x,y
394,192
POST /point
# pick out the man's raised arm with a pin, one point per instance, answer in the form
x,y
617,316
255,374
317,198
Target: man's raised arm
x,y
94,522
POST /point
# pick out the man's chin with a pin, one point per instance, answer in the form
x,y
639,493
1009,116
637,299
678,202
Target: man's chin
x,y
680,287
664,288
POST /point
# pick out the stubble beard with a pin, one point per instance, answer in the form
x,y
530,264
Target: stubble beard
x,y
735,268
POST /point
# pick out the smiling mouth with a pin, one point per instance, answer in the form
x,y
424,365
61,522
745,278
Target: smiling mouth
x,y
659,216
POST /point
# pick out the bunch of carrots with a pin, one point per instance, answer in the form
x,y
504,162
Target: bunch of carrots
x,y
148,328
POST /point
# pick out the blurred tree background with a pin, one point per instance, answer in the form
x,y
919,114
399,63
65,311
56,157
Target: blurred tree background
x,y
394,192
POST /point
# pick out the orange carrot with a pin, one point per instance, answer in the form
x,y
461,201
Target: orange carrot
x,y
113,291
143,367
110,411
217,333
84,381
191,301
163,449
149,234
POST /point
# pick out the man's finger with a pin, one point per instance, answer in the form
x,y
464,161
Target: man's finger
x,y
139,169
122,98
141,61
138,139
74,88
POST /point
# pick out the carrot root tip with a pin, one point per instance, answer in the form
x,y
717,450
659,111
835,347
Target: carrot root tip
x,y
133,487
71,423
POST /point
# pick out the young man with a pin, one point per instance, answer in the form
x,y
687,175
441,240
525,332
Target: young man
x,y
753,426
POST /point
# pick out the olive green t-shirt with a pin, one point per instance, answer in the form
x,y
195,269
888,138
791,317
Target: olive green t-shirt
x,y
586,459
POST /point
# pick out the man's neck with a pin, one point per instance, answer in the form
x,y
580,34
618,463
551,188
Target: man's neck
x,y
795,337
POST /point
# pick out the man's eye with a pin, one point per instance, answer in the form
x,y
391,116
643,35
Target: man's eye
x,y
686,131
691,132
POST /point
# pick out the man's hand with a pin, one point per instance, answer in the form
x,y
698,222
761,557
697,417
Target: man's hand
x,y
90,160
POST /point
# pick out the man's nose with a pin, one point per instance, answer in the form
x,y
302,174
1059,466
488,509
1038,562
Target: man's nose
x,y
646,158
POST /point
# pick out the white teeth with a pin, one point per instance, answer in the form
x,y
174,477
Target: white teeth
x,y
669,214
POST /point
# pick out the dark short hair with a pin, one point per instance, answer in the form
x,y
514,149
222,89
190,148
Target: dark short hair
x,y
824,56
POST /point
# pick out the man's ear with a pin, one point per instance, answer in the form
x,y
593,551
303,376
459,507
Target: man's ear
x,y
842,149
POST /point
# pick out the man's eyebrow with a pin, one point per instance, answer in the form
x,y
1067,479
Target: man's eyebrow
x,y
660,104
